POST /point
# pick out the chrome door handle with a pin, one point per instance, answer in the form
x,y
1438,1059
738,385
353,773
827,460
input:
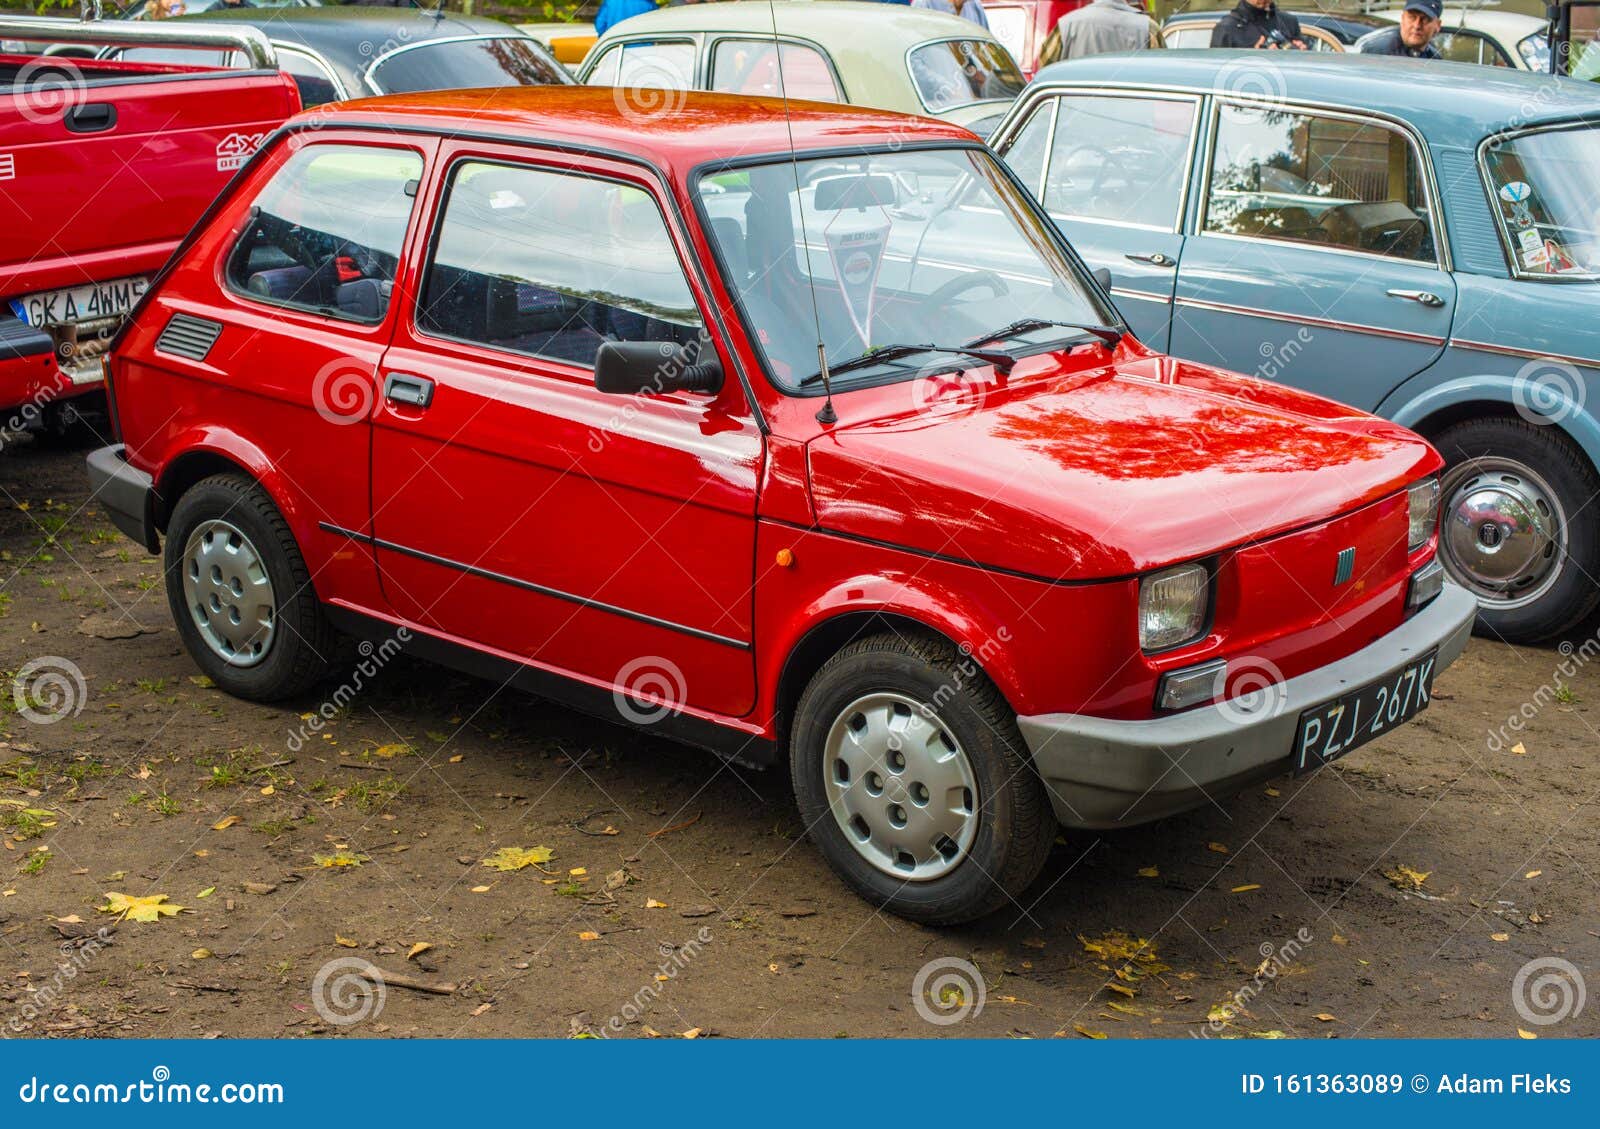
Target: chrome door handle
x,y
1156,259
1422,297
404,388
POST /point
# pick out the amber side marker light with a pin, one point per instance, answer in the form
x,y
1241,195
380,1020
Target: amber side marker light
x,y
785,558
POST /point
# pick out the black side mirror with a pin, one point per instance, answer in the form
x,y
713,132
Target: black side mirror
x,y
631,368
1103,277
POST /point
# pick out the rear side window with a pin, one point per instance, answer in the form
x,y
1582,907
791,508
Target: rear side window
x,y
646,66
1120,160
959,72
553,264
326,231
747,66
467,64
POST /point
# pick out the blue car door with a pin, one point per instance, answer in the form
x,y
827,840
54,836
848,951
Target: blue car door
x,y
1317,259
1112,168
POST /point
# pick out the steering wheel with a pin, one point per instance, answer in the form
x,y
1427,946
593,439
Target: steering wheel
x,y
942,295
1108,162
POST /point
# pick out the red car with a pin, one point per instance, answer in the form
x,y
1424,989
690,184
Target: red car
x,y
535,382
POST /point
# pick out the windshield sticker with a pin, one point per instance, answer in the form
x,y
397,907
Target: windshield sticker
x,y
1531,243
1557,261
857,255
1516,192
1535,258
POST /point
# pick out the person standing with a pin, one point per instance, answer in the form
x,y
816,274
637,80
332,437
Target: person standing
x,y
1413,37
1103,26
613,12
1258,24
966,9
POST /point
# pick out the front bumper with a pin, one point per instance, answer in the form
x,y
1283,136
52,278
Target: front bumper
x,y
126,493
1103,773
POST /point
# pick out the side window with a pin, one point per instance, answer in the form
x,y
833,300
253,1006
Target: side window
x,y
1120,159
1186,34
327,231
651,66
315,83
1325,181
1026,151
1470,47
745,66
552,264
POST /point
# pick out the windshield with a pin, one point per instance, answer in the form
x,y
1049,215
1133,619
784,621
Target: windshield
x,y
959,72
917,247
1535,51
466,64
1543,184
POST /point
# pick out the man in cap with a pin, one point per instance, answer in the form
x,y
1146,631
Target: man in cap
x,y
1413,38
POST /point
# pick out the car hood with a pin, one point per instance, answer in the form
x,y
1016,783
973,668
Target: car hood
x,y
1105,472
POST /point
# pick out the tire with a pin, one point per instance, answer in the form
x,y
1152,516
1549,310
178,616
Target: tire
x,y
941,701
1513,467
285,646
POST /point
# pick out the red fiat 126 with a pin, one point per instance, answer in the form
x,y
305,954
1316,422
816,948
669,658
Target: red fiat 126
x,y
803,437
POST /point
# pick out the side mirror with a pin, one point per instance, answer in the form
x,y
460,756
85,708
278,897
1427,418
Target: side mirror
x,y
632,368
1103,277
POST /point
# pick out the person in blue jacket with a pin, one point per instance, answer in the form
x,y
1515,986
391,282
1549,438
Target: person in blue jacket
x,y
613,12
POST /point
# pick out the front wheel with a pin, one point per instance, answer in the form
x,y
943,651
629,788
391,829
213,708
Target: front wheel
x,y
915,783
1518,528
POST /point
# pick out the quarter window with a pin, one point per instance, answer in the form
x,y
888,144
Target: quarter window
x,y
1120,159
327,229
1323,181
959,72
745,66
554,264
315,83
648,66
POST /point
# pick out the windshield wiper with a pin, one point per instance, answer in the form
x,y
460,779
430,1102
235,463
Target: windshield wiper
x,y
1001,361
1110,334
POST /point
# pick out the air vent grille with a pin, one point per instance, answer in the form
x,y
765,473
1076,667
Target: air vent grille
x,y
189,336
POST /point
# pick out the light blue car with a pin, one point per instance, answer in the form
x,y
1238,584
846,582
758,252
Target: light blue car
x,y
1420,240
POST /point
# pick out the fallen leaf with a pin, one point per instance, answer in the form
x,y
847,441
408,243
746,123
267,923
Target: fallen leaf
x,y
200,954
207,892
338,859
480,1009
1268,1035
344,942
480,889
1087,1033
1403,877
416,950
268,790
1339,939
202,680
1274,793
151,908
692,1033
578,871
651,903
1533,874
224,823
1246,889
394,750
515,858
457,758
260,888
1217,847
1149,872
1323,1017
1499,936
1519,749
588,935
1525,1034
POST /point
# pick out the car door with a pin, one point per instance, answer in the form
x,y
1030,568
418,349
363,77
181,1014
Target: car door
x,y
1318,258
518,509
1112,169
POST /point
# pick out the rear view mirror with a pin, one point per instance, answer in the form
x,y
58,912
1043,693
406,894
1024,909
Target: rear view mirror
x,y
865,191
632,368
1103,277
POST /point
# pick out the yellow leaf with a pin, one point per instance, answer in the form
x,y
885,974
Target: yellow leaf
x,y
1519,749
1086,1033
1323,1017
692,1033
1274,793
1533,874
457,758
1247,889
515,858
268,790
651,903
1217,847
578,871
1149,872
588,935
1268,1035
480,889
224,823
1499,936
1339,939
343,942
395,750
207,892
1403,877
1125,1009
202,680
1526,1034
152,908
1124,989
417,950
200,954
338,859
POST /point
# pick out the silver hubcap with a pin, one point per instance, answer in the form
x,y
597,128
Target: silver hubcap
x,y
229,594
900,787
1504,534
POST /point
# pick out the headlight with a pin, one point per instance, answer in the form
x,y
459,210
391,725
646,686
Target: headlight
x,y
1172,606
1423,499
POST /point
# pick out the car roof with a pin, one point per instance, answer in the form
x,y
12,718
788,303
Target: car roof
x,y
341,32
1451,103
893,27
700,127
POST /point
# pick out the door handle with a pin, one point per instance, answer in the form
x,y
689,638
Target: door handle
x,y
404,388
91,117
1155,259
1422,297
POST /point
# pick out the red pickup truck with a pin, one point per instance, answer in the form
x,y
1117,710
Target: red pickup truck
x,y
714,424
103,167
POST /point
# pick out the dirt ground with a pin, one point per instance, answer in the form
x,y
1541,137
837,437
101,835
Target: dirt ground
x,y
679,897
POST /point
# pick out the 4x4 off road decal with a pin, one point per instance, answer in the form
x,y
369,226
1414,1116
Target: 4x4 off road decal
x,y
235,149
8,167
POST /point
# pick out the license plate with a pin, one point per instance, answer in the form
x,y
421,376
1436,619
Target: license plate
x,y
80,303
1329,731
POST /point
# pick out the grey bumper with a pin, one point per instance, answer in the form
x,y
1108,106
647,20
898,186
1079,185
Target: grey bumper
x,y
126,493
1104,774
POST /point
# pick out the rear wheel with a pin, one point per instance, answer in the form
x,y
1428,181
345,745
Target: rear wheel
x,y
1517,527
241,594
914,781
